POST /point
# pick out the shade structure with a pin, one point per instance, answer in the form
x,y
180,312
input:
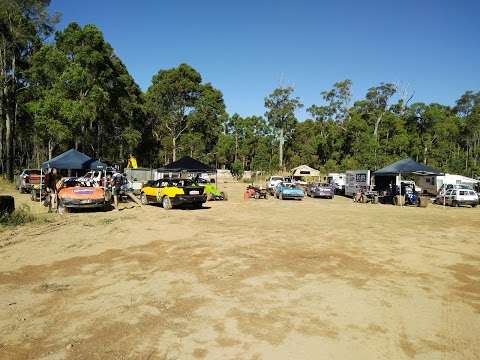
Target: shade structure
x,y
407,166
73,160
186,164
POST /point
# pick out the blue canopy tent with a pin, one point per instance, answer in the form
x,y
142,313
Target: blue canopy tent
x,y
73,160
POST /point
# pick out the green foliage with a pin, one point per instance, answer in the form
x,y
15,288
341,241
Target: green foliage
x,y
19,216
75,92
237,169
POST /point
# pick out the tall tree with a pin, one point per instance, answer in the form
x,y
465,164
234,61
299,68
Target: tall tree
x,y
281,106
177,103
23,26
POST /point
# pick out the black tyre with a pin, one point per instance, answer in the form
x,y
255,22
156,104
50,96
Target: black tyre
x,y
280,196
454,203
166,203
143,199
474,205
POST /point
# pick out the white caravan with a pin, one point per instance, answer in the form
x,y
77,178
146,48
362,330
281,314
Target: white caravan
x,y
338,179
432,184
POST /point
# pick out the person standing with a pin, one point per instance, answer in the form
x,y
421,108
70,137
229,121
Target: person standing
x,y
51,184
117,182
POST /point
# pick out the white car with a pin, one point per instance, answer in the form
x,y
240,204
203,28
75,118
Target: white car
x,y
273,181
457,197
446,187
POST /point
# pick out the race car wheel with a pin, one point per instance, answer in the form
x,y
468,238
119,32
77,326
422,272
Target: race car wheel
x,y
280,196
143,199
166,203
224,195
454,203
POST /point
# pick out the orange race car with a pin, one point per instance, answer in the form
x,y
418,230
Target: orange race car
x,y
81,193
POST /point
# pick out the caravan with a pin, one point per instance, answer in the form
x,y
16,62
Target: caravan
x,y
431,185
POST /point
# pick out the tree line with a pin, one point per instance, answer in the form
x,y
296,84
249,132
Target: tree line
x,y
68,89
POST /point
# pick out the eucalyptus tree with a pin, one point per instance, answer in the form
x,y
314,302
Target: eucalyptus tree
x,y
178,103
24,24
281,106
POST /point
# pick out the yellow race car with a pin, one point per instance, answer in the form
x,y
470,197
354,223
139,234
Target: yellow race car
x,y
173,192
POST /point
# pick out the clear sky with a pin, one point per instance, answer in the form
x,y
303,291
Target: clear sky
x,y
246,48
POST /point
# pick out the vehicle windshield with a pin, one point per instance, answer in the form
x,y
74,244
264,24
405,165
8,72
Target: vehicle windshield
x,y
181,182
289,185
78,182
276,178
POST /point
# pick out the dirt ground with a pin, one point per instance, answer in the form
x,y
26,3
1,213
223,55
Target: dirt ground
x,y
262,279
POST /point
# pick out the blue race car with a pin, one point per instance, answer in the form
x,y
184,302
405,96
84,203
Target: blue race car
x,y
288,191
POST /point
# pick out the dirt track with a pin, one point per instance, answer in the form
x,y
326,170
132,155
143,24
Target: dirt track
x,y
315,279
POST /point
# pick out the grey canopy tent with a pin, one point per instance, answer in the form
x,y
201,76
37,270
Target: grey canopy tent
x,y
73,160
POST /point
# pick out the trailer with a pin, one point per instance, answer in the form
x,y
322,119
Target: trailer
x,y
356,182
431,185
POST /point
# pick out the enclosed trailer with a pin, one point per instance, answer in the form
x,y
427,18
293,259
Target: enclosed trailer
x,y
357,181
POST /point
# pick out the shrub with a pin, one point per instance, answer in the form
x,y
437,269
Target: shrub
x,y
19,216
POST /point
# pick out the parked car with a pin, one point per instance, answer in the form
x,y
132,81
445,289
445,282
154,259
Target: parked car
x,y
286,190
79,193
29,179
457,197
173,192
446,187
273,181
321,190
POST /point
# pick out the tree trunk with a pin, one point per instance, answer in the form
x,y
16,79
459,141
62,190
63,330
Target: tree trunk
x,y
174,148
236,146
9,145
50,149
280,149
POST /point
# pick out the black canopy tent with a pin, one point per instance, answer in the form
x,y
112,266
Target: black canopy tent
x,y
407,166
187,164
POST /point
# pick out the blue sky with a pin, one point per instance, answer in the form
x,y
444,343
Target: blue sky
x,y
247,48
